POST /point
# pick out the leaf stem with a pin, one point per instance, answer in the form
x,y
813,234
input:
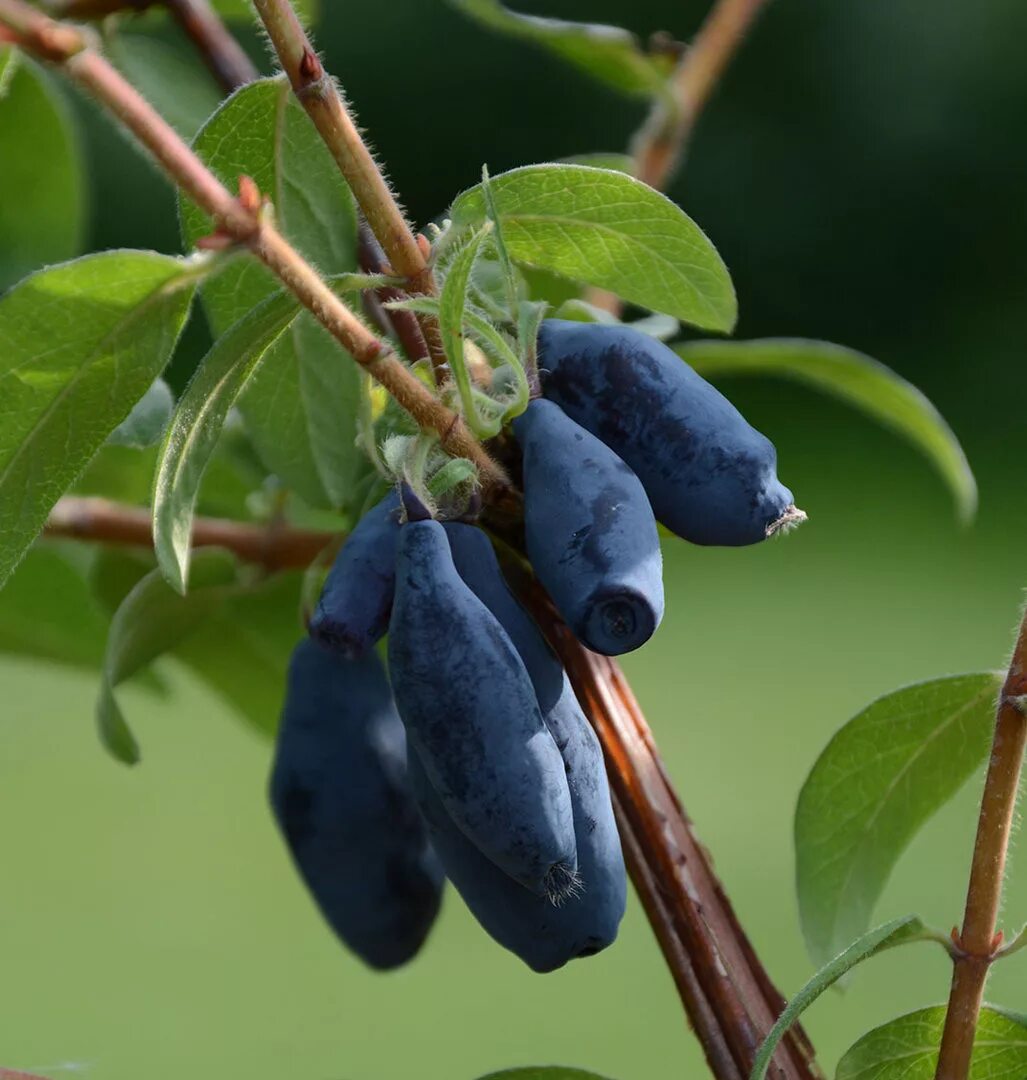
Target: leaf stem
x,y
318,93
978,944
245,225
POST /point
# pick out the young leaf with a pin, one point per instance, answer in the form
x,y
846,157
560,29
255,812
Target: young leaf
x,y
194,432
301,408
897,932
544,1072
856,379
109,322
145,424
607,53
452,304
881,777
170,78
42,197
612,231
907,1048
152,620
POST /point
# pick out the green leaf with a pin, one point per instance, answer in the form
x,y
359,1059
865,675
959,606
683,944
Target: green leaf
x,y
145,424
170,78
109,323
8,63
612,231
243,9
856,379
152,620
617,162
607,53
42,180
242,650
907,1048
47,611
881,777
545,1072
897,932
193,434
301,408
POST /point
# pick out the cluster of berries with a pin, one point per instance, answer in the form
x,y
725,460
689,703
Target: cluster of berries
x,y
478,765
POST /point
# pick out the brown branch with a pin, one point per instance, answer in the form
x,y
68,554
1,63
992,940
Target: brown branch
x,y
317,92
404,324
659,147
102,521
978,943
242,222
729,998
221,52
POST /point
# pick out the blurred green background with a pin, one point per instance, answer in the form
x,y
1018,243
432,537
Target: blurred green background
x,y
862,171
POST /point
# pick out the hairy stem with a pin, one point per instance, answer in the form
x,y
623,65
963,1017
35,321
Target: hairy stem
x,y
319,95
978,942
245,225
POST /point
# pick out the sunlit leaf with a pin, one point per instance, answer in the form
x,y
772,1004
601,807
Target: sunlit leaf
x,y
196,428
612,231
907,1048
301,408
42,185
607,53
856,379
110,323
878,781
898,932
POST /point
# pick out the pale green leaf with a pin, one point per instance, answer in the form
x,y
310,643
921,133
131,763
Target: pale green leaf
x,y
80,344
8,63
42,180
617,162
907,1048
47,611
301,408
193,434
170,78
612,231
855,379
607,53
881,777
897,932
152,620
145,424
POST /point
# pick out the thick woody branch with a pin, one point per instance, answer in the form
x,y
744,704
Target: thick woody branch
x,y
319,95
242,221
978,944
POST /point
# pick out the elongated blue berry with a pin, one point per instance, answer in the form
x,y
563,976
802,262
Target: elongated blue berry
x,y
587,921
590,532
471,714
711,478
352,613
340,794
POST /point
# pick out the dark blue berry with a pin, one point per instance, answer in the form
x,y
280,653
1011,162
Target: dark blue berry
x,y
711,478
340,794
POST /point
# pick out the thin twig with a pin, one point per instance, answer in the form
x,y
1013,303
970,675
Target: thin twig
x,y
103,521
317,91
221,52
978,943
659,147
242,221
